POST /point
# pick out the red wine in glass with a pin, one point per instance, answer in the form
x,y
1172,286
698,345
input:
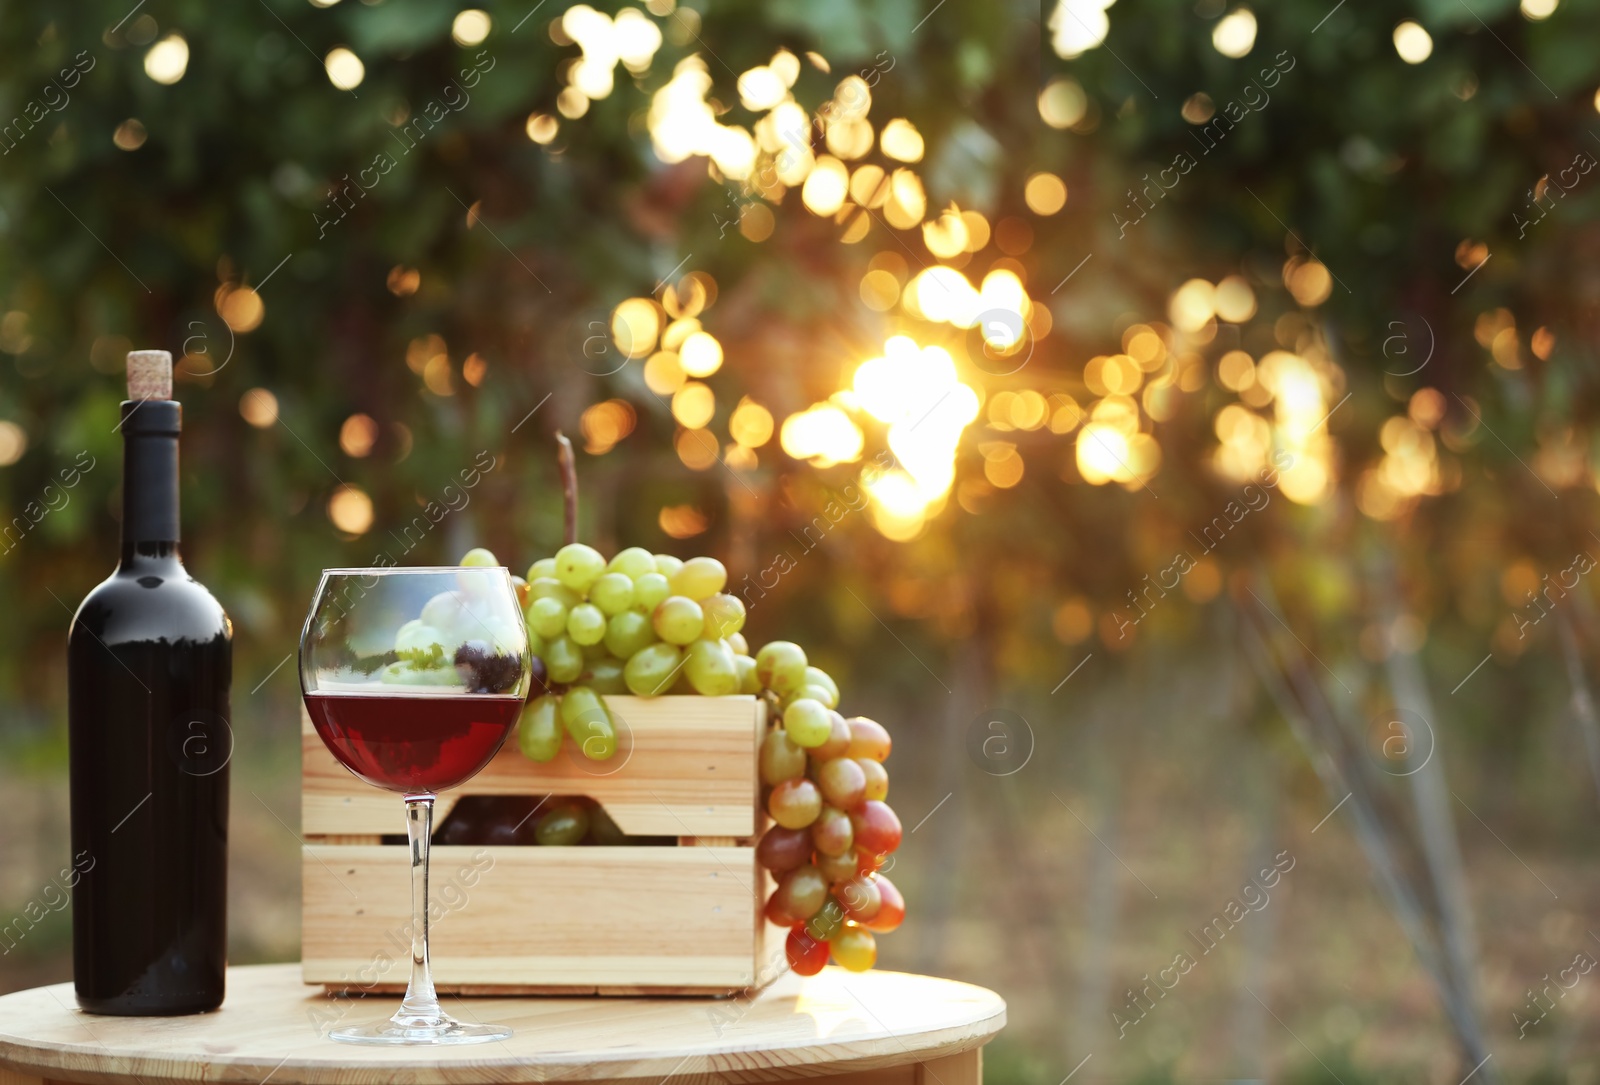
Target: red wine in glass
x,y
413,678
413,744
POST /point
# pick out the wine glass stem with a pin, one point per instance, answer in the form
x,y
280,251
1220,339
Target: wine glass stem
x,y
420,1009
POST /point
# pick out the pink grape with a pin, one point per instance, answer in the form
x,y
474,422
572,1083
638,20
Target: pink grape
x,y
843,782
868,739
795,804
783,849
877,778
832,832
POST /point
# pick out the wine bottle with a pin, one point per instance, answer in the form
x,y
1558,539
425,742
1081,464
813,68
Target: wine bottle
x,y
149,661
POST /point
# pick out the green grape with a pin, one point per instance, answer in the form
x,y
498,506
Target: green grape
x,y
586,624
807,723
782,666
678,620
740,646
562,825
602,830
535,644
404,674
816,693
589,723
547,617
748,682
563,659
541,569
627,633
854,948
828,921
649,590
708,664
780,759
649,672
816,676
550,588
724,615
538,729
479,558
666,564
593,653
633,562
604,676
837,868
416,636
578,566
444,610
699,578
612,593
503,632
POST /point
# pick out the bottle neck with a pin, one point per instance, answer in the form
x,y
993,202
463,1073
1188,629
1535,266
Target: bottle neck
x,y
150,481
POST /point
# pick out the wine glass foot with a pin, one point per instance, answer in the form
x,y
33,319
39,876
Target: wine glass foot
x,y
447,1031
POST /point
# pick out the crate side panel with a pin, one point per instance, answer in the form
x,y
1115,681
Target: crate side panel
x,y
557,916
684,766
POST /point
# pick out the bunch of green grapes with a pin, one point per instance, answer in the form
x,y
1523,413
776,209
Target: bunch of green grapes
x,y
653,624
641,623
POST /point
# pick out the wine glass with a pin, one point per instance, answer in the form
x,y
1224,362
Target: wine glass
x,y
414,678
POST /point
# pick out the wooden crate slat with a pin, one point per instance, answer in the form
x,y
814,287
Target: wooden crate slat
x,y
624,916
685,766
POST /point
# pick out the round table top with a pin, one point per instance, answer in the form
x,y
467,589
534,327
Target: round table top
x,y
272,1026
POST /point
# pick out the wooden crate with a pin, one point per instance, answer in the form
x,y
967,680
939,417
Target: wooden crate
x,y
532,920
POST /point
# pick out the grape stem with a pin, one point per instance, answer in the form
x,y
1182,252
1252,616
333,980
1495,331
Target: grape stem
x,y
569,486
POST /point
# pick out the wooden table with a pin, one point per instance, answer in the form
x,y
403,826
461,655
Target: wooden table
x,y
838,1028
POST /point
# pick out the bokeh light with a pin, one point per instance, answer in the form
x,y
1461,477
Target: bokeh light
x,y
167,59
1412,42
344,68
259,407
1235,34
350,509
470,26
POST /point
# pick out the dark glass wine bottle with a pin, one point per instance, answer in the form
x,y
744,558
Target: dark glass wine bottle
x,y
149,661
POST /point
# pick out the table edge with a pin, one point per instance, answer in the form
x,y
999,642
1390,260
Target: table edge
x,y
60,1062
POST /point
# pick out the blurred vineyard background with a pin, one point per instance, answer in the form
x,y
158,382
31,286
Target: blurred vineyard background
x,y
1174,421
